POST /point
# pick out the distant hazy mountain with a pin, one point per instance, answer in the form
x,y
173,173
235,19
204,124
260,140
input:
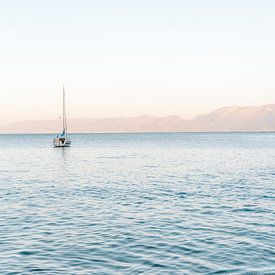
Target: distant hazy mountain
x,y
226,119
238,119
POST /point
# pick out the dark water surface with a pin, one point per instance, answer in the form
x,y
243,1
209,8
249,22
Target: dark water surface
x,y
138,203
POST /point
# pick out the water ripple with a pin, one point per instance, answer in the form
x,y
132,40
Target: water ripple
x,y
131,204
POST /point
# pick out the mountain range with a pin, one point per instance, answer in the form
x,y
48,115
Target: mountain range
x,y
252,118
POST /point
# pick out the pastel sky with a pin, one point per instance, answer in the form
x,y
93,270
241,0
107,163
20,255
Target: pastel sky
x,y
134,57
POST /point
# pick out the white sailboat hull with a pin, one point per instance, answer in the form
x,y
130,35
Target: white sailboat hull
x,y
61,142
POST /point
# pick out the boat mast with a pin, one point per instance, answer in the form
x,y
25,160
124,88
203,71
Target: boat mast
x,y
64,114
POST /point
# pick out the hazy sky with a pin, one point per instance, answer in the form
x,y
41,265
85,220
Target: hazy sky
x,y
134,57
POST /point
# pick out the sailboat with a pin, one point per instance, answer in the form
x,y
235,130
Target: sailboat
x,y
62,140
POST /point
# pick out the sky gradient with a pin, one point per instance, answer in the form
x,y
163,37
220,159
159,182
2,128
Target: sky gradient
x,y
129,58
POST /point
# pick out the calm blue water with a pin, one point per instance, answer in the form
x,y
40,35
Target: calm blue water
x,y
138,203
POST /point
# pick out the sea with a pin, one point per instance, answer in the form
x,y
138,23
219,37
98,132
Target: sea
x,y
148,203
